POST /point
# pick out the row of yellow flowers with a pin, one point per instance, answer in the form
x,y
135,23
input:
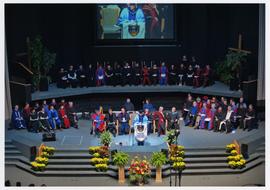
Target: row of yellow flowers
x,y
177,155
100,157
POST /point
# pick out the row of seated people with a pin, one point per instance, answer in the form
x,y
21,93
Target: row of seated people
x,y
217,115
19,184
45,117
136,74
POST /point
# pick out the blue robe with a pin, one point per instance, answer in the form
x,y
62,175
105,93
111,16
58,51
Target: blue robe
x,y
17,120
53,118
150,107
203,116
193,112
140,119
128,15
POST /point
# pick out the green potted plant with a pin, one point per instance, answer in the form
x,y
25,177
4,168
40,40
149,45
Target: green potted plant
x,y
170,137
158,159
121,159
42,61
106,138
228,68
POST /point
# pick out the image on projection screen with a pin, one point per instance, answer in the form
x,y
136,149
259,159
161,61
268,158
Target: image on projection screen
x,y
135,21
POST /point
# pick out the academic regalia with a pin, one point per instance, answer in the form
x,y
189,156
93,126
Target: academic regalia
x,y
149,106
189,77
140,119
212,115
43,118
62,81
124,123
150,122
54,120
219,116
173,118
202,115
190,120
249,123
64,118
127,75
137,75
206,77
118,76
163,75
71,113
46,108
197,78
160,122
146,79
186,108
111,123
241,113
72,78
100,77
82,77
109,77
98,123
154,76
129,106
182,75
173,76
26,117
90,75
227,122
17,120
34,122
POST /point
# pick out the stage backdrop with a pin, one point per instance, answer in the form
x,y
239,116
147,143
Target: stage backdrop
x,y
202,30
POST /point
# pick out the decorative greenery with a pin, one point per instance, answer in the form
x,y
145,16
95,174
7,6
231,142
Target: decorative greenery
x,y
227,68
170,137
42,60
139,171
106,138
158,159
120,159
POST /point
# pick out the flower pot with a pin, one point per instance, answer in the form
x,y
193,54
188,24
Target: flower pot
x,y
158,175
121,174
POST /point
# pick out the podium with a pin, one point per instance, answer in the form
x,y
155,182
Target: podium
x,y
132,30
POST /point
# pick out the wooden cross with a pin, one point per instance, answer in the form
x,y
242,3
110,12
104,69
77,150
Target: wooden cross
x,y
239,49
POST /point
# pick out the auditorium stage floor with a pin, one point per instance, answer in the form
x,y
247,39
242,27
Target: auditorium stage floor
x,y
81,139
218,89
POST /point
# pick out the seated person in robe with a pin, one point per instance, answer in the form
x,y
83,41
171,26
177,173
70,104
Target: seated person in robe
x,y
99,124
131,14
187,106
100,76
112,122
249,120
62,81
81,74
207,79
17,119
72,77
63,117
191,116
44,120
148,105
197,77
227,123
123,119
34,121
54,120
72,116
189,76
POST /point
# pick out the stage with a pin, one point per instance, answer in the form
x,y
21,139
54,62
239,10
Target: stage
x,y
218,89
81,139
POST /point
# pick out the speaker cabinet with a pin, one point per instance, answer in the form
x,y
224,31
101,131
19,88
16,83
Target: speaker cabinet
x,y
250,91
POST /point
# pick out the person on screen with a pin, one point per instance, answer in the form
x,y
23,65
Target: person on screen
x,y
131,13
152,21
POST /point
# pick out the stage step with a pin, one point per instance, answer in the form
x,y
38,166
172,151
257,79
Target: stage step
x,y
12,152
10,146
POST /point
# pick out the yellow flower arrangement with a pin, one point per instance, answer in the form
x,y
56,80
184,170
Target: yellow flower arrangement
x,y
95,161
48,149
101,167
179,165
42,160
96,155
38,166
180,147
45,154
93,149
177,159
234,152
235,160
